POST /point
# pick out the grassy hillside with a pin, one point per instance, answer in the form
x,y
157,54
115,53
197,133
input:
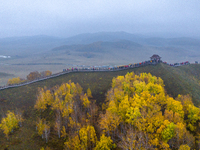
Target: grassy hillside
x,y
180,80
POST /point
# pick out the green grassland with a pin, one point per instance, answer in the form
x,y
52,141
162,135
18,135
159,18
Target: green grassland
x,y
179,80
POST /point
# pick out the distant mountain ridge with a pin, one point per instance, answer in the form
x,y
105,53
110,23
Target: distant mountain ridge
x,y
182,41
102,42
29,39
99,46
89,38
103,36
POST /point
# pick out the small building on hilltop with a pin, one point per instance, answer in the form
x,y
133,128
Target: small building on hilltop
x,y
155,58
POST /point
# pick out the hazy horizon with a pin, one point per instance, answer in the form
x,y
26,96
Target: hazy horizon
x,y
64,18
147,35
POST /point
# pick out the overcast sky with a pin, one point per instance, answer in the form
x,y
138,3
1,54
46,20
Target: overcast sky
x,y
64,18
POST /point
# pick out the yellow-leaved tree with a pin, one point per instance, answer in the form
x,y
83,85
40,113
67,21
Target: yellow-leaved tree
x,y
105,143
142,116
137,114
10,122
73,112
16,80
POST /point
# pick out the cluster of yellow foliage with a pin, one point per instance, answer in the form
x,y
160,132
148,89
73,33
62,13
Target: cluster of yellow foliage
x,y
105,143
84,140
16,80
10,122
138,114
32,76
74,114
137,108
43,129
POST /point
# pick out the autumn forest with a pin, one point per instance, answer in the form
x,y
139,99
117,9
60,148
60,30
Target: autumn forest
x,y
137,114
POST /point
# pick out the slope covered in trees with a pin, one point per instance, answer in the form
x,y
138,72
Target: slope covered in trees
x,y
176,80
137,114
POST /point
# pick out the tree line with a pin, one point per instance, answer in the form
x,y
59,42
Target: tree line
x,y
31,76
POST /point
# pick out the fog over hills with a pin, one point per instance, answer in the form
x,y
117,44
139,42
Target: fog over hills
x,y
27,45
103,42
42,52
35,44
103,36
99,46
174,49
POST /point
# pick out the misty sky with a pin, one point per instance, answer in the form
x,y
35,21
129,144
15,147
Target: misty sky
x,y
64,18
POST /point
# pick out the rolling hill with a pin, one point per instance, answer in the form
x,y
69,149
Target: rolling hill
x,y
177,80
35,53
42,43
180,80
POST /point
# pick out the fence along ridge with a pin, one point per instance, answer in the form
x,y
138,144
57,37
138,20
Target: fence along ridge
x,y
100,69
53,76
